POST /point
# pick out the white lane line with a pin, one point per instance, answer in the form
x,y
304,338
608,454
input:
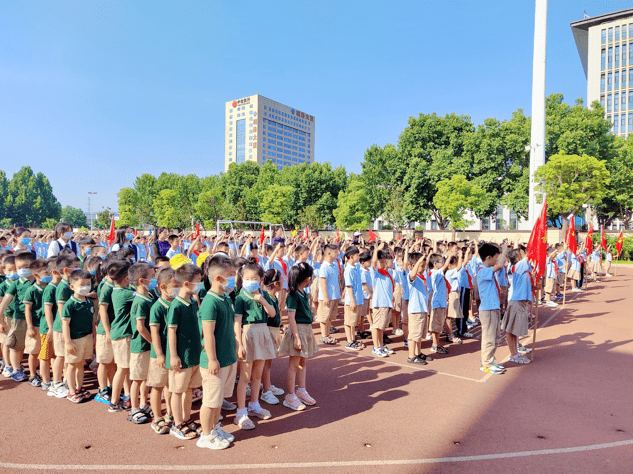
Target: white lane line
x,y
299,465
408,366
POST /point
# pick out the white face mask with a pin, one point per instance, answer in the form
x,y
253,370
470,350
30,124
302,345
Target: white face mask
x,y
83,290
68,235
174,292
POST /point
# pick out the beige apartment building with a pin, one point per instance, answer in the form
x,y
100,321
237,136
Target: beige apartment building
x,y
259,129
605,46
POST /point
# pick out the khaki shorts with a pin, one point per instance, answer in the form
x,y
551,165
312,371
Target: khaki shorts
x,y
404,314
417,326
216,388
438,316
18,330
380,318
184,379
326,313
560,278
351,317
550,285
398,293
84,347
58,344
454,306
363,309
157,377
104,352
139,365
46,348
121,350
33,345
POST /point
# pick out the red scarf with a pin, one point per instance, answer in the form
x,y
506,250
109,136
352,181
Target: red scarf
x,y
284,266
470,280
448,287
386,273
339,265
422,277
498,287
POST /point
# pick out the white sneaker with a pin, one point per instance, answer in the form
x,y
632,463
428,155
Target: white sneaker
x,y
8,370
52,390
276,390
62,391
227,436
551,304
398,332
269,398
576,290
213,441
608,275
256,409
428,337
387,350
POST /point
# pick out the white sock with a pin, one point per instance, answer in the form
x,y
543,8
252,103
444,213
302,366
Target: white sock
x,y
241,412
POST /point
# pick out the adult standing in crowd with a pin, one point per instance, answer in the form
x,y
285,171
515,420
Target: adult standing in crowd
x,y
62,240
161,246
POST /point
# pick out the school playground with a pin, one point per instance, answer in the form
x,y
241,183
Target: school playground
x,y
568,412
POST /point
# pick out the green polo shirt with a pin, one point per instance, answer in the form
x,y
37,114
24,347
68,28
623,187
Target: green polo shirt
x,y
80,314
276,321
122,299
300,303
105,298
62,294
183,315
18,290
141,307
250,310
218,309
34,297
157,316
48,299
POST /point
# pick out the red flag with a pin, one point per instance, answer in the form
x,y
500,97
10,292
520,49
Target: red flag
x,y
537,246
588,240
603,241
570,238
135,232
619,242
112,235
372,237
306,233
262,236
197,234
338,237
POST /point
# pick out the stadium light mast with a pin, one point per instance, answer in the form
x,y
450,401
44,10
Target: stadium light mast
x,y
537,140
89,210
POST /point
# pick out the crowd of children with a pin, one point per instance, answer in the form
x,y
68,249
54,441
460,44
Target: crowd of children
x,y
181,320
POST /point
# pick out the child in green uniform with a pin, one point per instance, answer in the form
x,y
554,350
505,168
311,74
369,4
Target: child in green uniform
x,y
157,377
15,294
103,347
34,315
218,361
8,266
142,276
273,284
49,302
77,322
121,333
183,350
298,342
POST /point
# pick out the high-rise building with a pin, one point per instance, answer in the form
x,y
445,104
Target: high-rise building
x,y
259,129
605,45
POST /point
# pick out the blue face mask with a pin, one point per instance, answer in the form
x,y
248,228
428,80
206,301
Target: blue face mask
x,y
87,251
24,273
129,237
68,235
230,284
196,288
250,285
152,284
26,240
12,276
92,272
46,279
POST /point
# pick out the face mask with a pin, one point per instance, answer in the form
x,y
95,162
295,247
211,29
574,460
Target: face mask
x,y
230,284
133,260
196,288
152,284
93,272
26,241
12,276
46,279
129,237
83,290
174,292
250,285
24,272
87,251
68,235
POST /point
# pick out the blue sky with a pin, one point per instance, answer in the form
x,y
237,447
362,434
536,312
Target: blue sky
x,y
95,93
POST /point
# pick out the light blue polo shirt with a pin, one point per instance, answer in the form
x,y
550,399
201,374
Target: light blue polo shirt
x,y
329,271
488,292
365,277
521,283
418,296
561,262
383,289
440,297
352,280
452,276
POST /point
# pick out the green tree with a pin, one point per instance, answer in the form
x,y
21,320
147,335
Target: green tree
x,y
146,187
453,198
571,181
4,189
30,198
310,217
617,202
352,209
166,211
103,219
381,173
128,207
211,206
48,224
275,204
75,217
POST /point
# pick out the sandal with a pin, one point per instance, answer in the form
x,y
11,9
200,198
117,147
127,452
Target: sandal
x,y
192,425
137,417
160,426
330,341
183,432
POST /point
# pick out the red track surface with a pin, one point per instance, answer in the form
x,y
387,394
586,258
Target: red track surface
x,y
576,393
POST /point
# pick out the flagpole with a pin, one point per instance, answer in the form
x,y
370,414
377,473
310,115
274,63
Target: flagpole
x,y
565,280
538,297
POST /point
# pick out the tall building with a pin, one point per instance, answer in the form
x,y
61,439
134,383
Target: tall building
x,y
259,129
605,45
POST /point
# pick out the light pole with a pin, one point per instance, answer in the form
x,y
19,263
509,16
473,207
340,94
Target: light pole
x,y
89,212
537,140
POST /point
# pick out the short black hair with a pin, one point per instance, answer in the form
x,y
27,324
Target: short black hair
x,y
514,256
171,238
271,276
351,251
385,254
86,241
488,250
25,256
138,271
118,270
165,275
297,274
187,272
215,265
436,257
79,274
160,259
65,261
365,256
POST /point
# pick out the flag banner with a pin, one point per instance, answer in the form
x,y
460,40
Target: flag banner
x,y
570,238
372,237
588,240
619,243
112,235
537,247
262,236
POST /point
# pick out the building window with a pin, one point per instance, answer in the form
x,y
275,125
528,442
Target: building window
x,y
610,34
616,122
623,79
617,80
623,101
603,35
631,122
616,103
251,106
630,30
610,81
623,31
603,56
602,83
617,56
630,98
617,32
630,52
623,55
610,58
622,123
240,153
609,103
230,116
